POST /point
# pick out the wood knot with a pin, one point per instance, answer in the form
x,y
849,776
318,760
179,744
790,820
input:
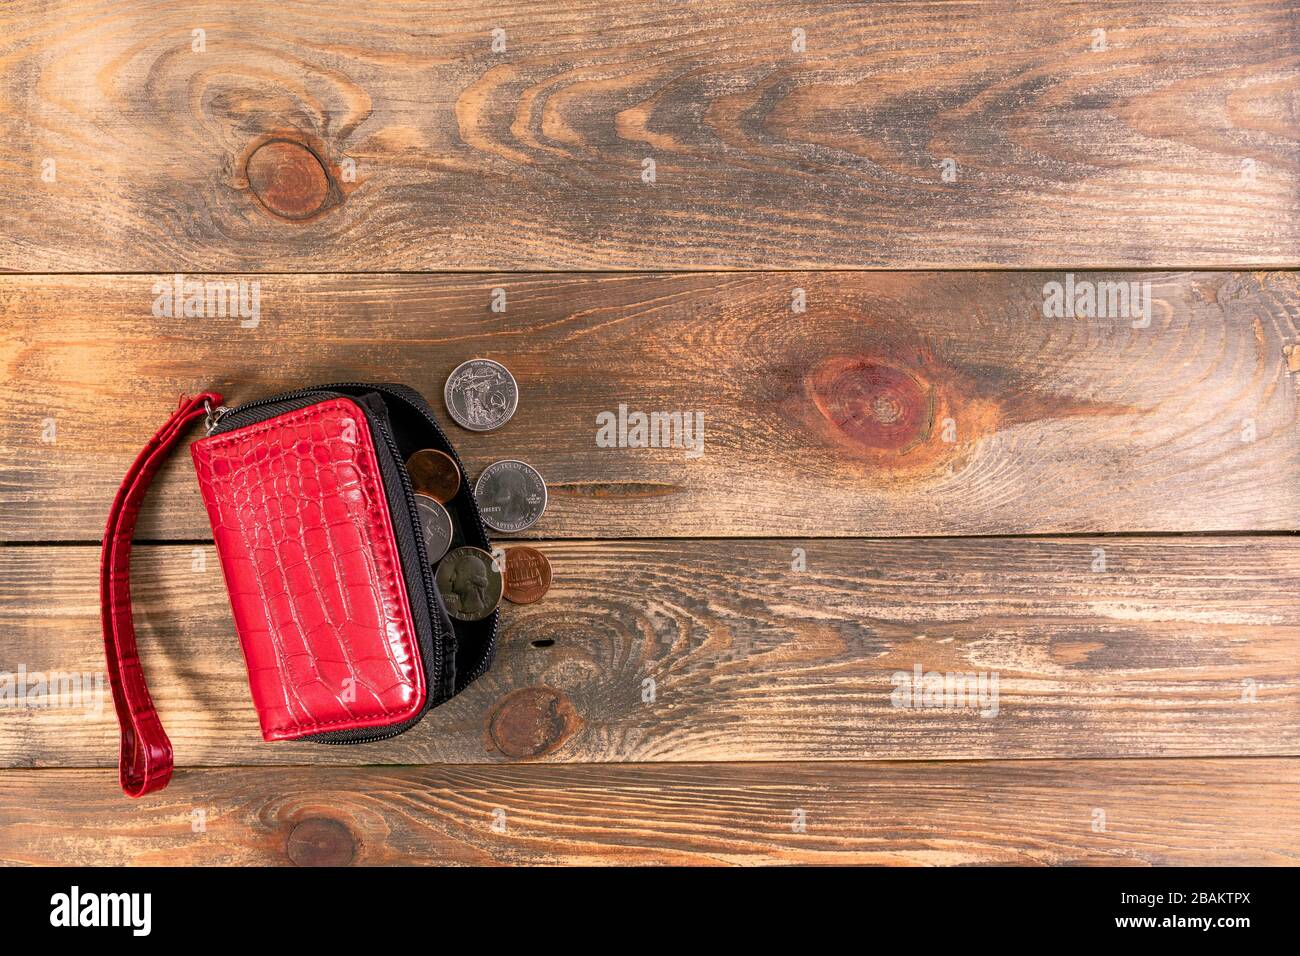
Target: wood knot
x,y
876,404
531,722
319,841
288,179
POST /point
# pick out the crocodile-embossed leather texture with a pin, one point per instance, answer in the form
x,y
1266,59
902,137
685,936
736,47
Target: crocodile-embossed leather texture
x,y
306,543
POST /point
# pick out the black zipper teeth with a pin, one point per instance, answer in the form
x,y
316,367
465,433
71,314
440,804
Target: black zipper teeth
x,y
426,577
478,518
426,573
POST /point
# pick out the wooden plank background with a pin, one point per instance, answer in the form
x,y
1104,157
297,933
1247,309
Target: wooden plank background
x,y
1109,812
905,462
1168,141
1184,646
1058,425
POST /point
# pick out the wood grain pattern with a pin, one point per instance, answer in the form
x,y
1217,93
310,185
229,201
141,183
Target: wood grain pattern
x,y
835,421
633,716
1182,647
1227,812
1170,141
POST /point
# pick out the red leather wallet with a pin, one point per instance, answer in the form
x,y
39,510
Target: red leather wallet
x,y
343,630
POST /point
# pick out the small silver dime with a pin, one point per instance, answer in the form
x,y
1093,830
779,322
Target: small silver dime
x,y
436,525
481,395
511,495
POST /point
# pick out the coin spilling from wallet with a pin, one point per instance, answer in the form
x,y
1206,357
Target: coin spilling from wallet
x,y
481,395
434,473
470,585
511,495
528,575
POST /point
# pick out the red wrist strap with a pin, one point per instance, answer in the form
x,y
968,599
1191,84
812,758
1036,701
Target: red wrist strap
x,y
145,759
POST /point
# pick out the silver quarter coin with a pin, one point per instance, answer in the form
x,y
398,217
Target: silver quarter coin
x,y
436,525
481,395
469,583
511,495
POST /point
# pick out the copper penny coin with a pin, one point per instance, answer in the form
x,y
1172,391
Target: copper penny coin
x,y
434,473
528,575
469,583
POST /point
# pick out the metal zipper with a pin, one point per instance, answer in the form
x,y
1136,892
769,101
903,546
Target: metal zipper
x,y
215,415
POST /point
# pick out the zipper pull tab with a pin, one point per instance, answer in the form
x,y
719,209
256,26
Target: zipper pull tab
x,y
213,416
